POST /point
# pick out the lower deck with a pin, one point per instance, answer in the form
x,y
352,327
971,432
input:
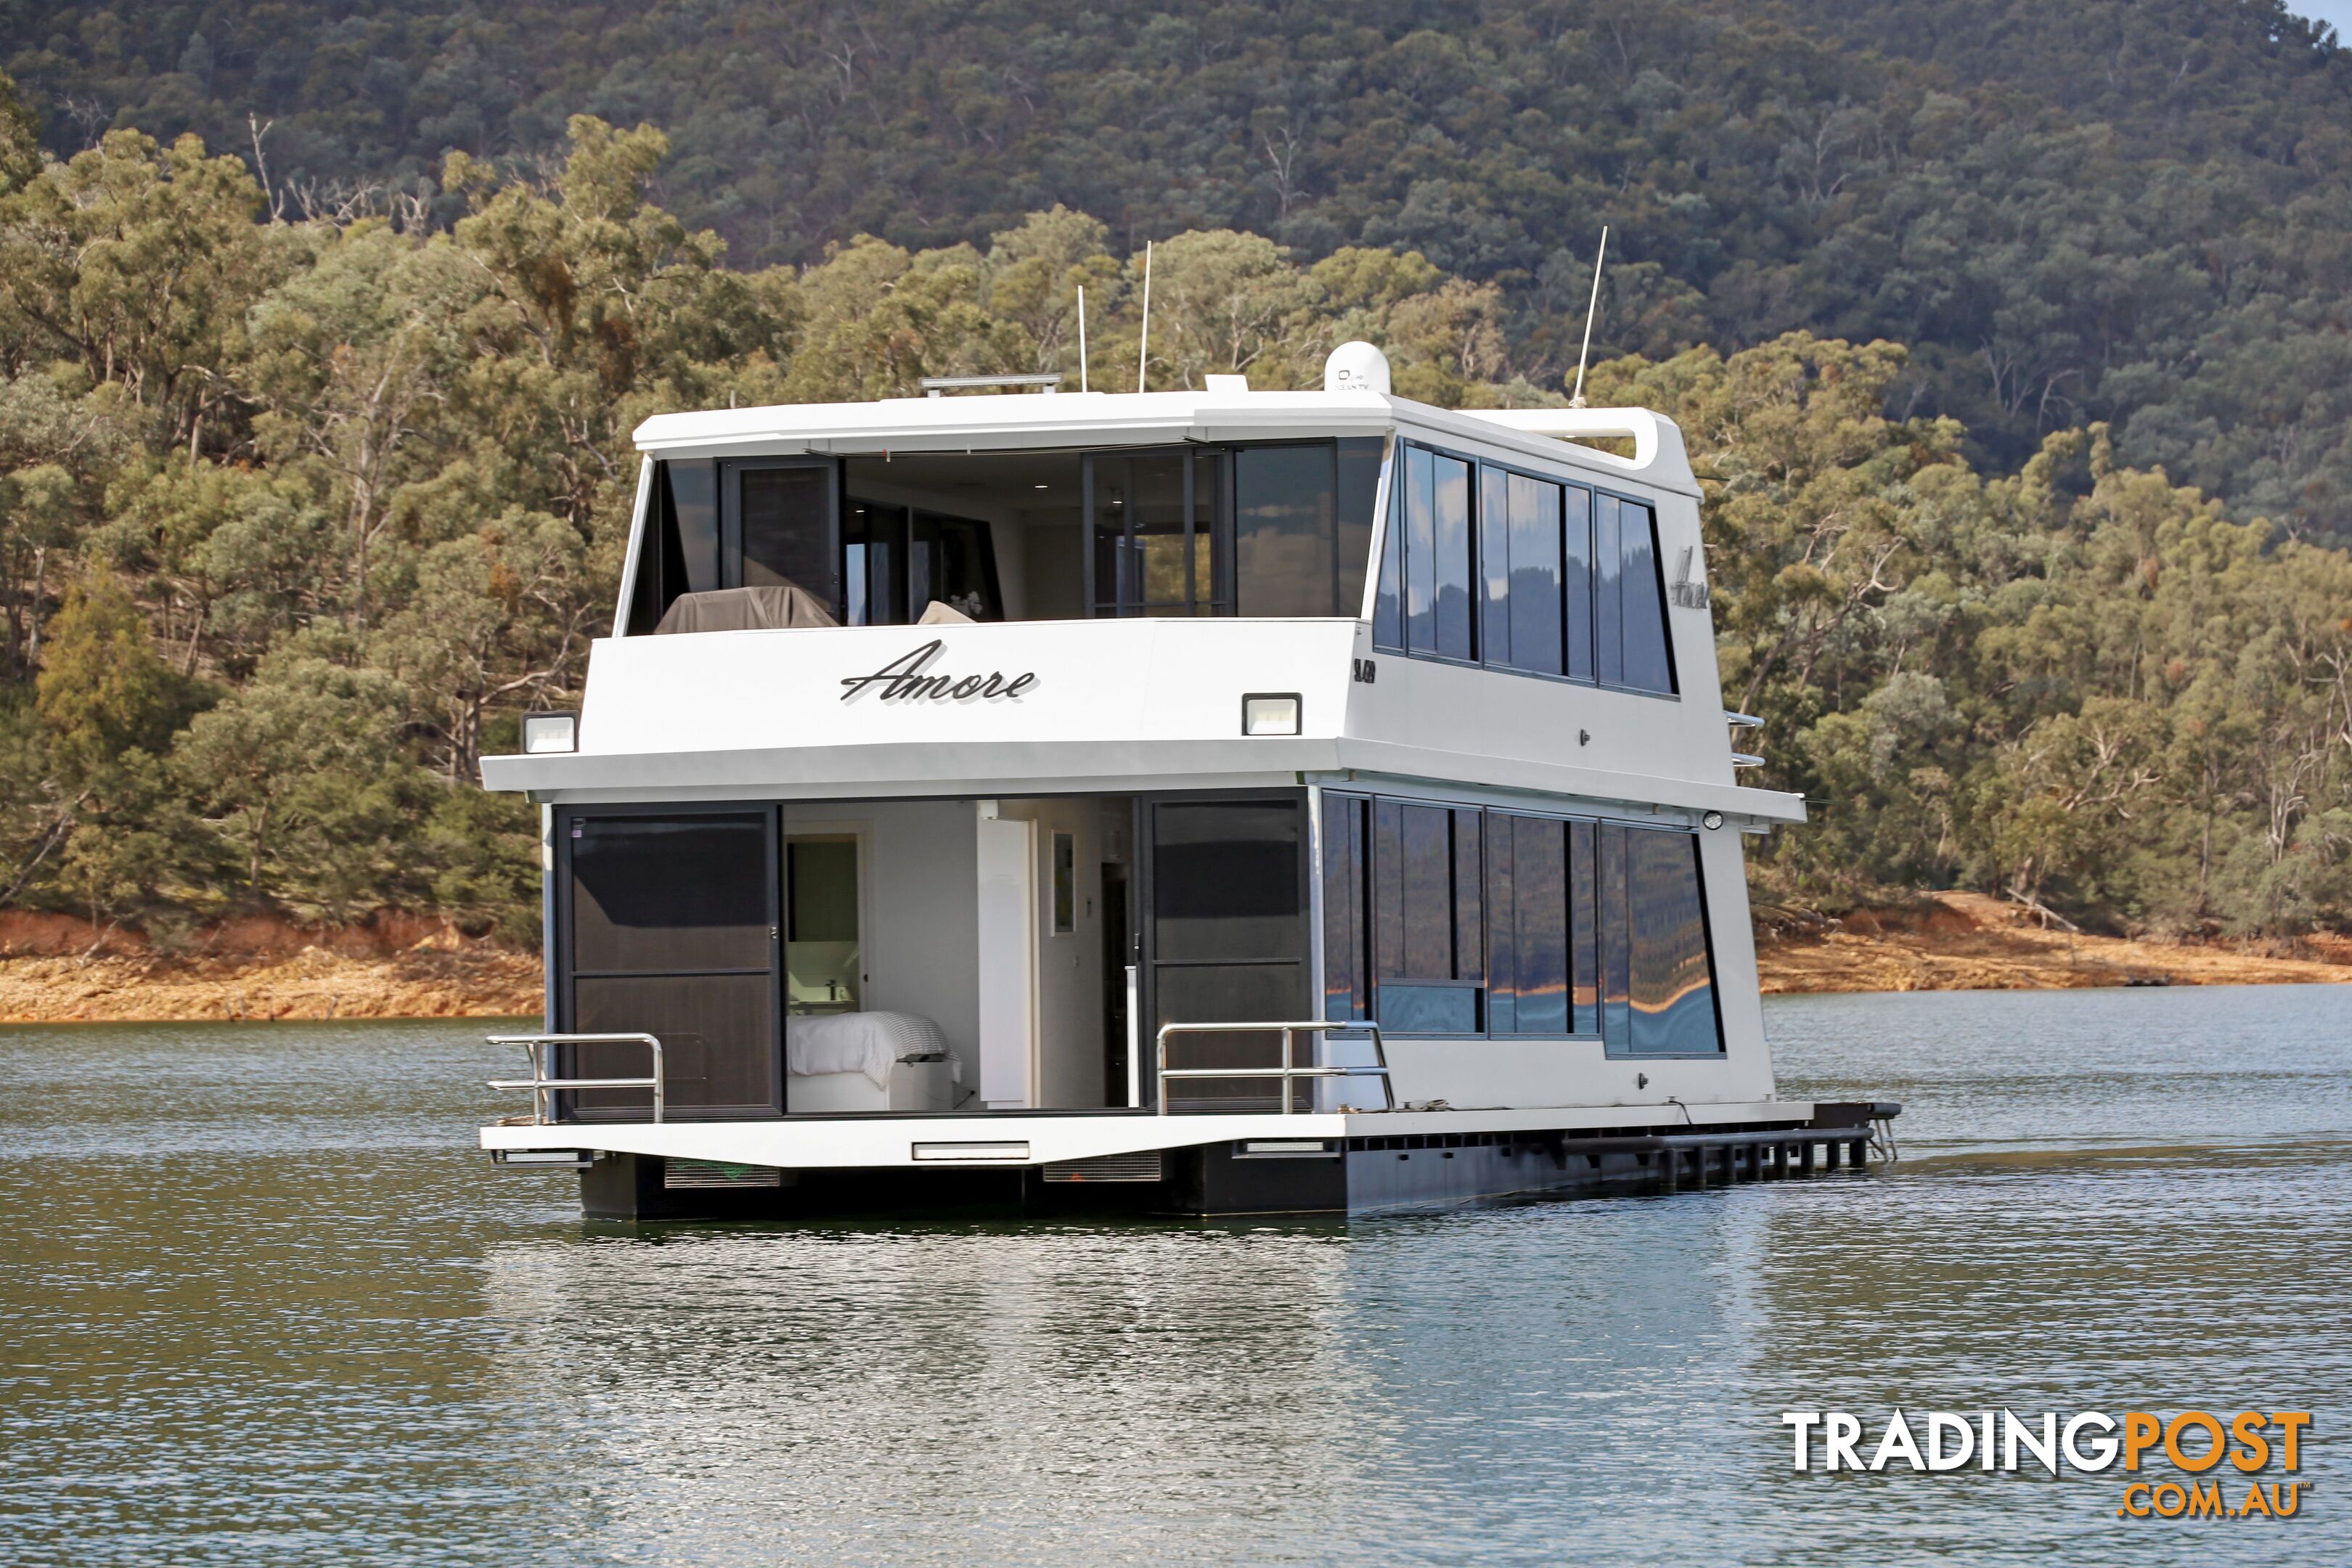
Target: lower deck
x,y
1138,1162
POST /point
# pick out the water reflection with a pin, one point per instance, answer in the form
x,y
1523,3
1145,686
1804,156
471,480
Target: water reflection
x,y
264,1305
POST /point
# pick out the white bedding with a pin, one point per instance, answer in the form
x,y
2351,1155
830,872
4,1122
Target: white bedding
x,y
867,1043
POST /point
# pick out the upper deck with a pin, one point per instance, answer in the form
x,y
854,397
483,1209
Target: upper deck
x,y
1456,596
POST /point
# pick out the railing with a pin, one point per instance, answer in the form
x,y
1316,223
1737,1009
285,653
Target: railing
x,y
541,1087
1287,1073
1740,759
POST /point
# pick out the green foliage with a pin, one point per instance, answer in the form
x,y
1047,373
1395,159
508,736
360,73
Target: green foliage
x,y
299,513
2133,212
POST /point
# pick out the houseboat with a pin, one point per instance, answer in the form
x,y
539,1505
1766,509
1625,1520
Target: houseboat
x,y
1206,802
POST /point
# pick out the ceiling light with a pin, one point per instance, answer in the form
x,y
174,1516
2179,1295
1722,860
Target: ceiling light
x,y
1270,713
543,733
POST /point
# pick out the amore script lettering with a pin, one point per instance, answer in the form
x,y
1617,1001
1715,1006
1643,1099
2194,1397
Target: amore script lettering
x,y
903,677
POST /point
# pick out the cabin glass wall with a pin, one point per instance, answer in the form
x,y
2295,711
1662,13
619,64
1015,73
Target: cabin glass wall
x,y
1444,919
668,930
679,552
1226,903
1566,582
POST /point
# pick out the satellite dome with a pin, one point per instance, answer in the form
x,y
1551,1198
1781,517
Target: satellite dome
x,y
1356,367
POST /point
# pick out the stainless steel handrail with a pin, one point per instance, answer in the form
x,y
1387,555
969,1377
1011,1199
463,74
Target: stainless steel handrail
x,y
1285,1072
543,1109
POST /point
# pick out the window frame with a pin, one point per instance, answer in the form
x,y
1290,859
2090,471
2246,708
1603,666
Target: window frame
x,y
1392,526
1364,960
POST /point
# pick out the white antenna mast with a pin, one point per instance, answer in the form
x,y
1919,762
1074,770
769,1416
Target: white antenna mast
x,y
1592,308
1082,337
1143,346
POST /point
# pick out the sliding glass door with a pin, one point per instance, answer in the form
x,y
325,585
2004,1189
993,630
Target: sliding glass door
x,y
668,926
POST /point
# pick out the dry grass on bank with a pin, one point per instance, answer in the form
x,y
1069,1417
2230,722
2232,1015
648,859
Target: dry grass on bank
x,y
1967,942
56,969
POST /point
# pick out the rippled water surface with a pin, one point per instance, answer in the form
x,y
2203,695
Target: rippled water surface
x,y
262,1303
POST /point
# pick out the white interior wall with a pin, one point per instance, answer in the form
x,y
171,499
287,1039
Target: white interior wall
x,y
1069,967
921,929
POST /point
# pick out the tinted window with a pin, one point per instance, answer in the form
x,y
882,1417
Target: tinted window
x,y
1156,538
1347,971
1287,531
1225,878
1539,922
1359,485
1427,848
1584,928
1454,592
1671,989
1576,579
1535,583
694,498
1494,563
1608,619
1647,665
686,893
785,516
1519,572
1615,979
1420,551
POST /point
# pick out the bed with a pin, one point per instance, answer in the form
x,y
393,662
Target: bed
x,y
868,1061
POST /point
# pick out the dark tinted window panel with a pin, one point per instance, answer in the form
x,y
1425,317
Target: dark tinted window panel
x,y
1226,879
717,1032
873,565
786,523
1287,531
1428,849
1583,929
1494,563
1387,889
1388,603
1671,982
1534,641
1359,487
689,893
1608,619
1236,993
952,560
1166,557
1577,588
1345,972
1429,1009
1454,581
1648,665
1540,923
1502,942
1420,551
693,497
1616,972
1469,887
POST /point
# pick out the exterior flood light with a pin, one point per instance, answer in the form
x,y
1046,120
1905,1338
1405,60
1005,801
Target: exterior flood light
x,y
1711,821
547,733
1270,713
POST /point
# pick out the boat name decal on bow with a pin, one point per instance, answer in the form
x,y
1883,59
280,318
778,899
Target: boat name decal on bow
x,y
903,677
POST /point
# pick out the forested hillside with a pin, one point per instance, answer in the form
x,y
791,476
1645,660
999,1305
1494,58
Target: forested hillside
x,y
2129,211
2012,355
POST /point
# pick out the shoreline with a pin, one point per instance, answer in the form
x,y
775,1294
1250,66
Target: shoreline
x,y
1969,942
1949,942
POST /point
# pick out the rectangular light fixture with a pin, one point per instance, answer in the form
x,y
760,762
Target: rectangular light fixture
x,y
544,733
1270,713
1008,1150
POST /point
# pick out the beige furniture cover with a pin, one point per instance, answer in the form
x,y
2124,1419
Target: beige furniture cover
x,y
746,610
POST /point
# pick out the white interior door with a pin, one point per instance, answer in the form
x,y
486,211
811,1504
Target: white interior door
x,y
1008,964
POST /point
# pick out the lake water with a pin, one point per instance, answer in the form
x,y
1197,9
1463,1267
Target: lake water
x,y
264,1303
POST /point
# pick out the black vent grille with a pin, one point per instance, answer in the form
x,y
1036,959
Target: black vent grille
x,y
1150,1165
